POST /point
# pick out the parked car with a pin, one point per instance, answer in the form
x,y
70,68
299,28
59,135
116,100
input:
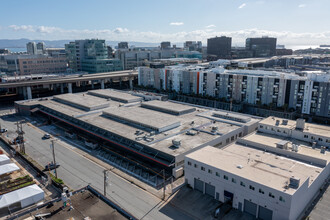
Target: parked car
x,y
3,130
46,136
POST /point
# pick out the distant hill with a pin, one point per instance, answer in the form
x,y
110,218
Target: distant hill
x,y
20,43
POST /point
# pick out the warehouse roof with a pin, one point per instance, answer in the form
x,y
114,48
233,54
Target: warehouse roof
x,y
118,96
143,117
168,107
256,165
82,101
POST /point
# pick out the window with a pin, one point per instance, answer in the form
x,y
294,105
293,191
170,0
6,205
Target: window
x,y
203,168
271,195
189,163
217,174
210,171
195,165
232,138
225,177
282,199
261,191
320,139
261,126
305,136
242,184
233,180
227,140
251,187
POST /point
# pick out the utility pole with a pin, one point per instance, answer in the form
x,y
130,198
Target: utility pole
x,y
106,179
164,184
20,136
54,161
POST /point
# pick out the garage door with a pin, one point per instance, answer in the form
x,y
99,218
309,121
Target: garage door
x,y
209,190
265,213
199,185
250,207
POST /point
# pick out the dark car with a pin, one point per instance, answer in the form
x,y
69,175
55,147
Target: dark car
x,y
51,166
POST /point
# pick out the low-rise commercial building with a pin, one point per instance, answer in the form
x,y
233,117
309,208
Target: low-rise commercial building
x,y
265,174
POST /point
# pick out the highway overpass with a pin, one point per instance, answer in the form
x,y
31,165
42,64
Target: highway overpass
x,y
65,83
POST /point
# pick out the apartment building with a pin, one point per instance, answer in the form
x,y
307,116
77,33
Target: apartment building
x,y
270,174
308,94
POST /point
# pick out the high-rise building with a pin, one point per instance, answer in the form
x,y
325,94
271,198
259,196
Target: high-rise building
x,y
193,45
165,45
123,45
90,56
219,48
41,48
262,47
31,48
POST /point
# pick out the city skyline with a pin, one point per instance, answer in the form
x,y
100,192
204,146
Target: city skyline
x,y
294,23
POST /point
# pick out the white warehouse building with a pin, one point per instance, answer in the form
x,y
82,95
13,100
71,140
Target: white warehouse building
x,y
264,174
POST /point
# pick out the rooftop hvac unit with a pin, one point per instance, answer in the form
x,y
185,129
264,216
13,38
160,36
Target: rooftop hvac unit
x,y
284,122
314,144
294,182
277,123
176,143
300,124
214,129
191,132
282,144
323,150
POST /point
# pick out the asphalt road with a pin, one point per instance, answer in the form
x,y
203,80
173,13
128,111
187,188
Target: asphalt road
x,y
77,171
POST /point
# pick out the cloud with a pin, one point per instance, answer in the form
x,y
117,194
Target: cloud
x,y
124,34
120,30
302,6
210,26
242,6
176,23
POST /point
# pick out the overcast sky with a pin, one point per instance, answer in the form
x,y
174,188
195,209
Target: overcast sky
x,y
293,22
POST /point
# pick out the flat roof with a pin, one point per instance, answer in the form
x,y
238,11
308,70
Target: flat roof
x,y
124,119
168,107
256,165
84,101
271,140
233,116
312,128
144,117
118,96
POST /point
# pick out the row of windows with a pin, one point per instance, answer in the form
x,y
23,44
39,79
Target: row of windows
x,y
319,139
233,180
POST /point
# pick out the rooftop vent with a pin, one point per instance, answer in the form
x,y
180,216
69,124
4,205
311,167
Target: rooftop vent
x,y
300,125
191,132
239,166
294,182
176,143
295,147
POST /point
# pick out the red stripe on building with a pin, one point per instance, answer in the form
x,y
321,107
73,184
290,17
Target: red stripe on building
x,y
197,82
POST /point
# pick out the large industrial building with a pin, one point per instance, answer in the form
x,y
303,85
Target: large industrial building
x,y
156,134
273,173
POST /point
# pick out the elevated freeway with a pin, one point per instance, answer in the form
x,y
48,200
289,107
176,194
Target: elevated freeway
x,y
63,84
